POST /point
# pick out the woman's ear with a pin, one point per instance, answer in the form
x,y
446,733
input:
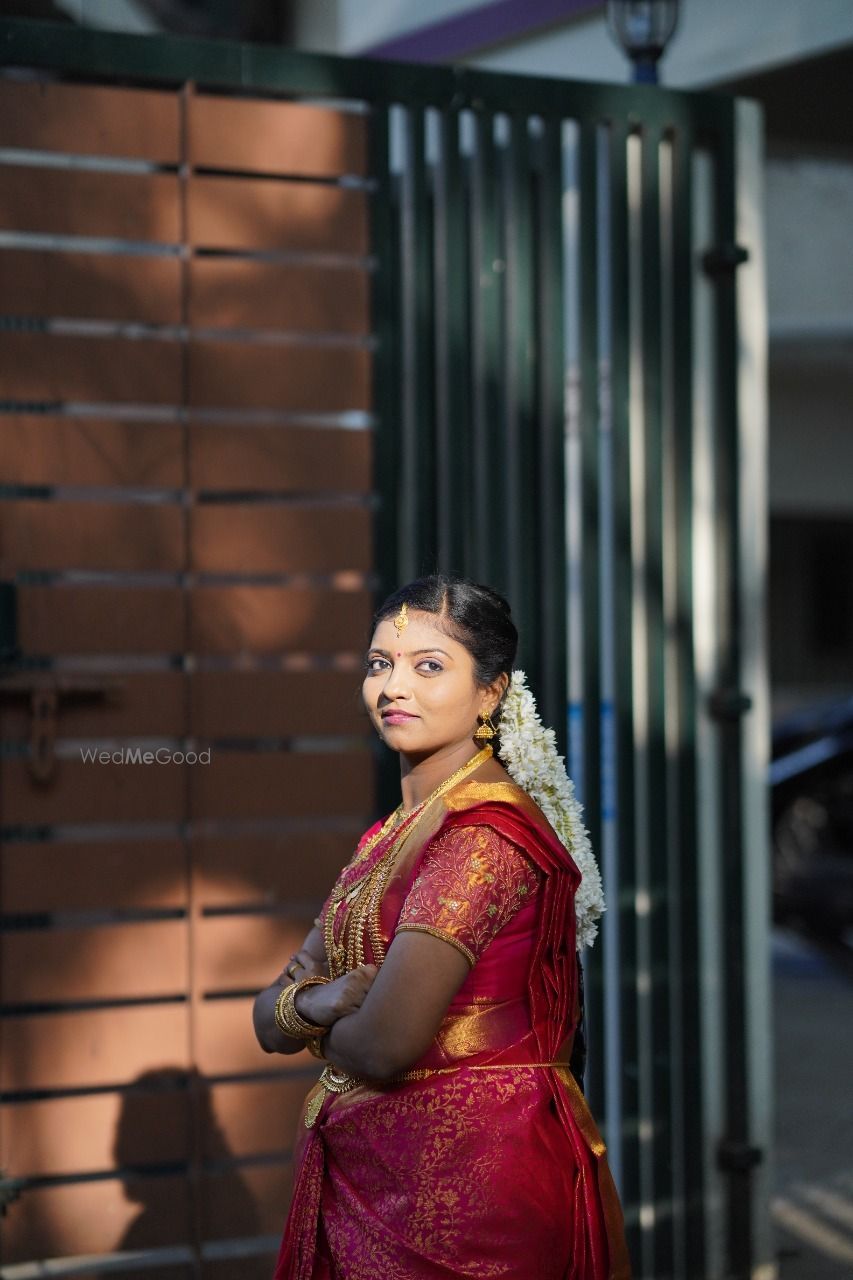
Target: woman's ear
x,y
499,687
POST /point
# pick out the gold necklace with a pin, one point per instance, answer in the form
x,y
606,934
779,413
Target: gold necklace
x,y
364,895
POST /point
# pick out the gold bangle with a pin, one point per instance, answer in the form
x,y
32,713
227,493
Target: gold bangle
x,y
288,1020
277,1010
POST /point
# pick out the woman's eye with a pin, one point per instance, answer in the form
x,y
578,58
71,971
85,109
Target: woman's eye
x,y
374,665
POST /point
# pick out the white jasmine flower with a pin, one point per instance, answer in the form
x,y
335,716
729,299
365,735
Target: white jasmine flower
x,y
529,752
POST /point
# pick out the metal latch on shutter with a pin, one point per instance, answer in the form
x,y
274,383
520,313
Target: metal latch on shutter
x,y
47,691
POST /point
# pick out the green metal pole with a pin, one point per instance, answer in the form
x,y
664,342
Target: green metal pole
x,y
487,372
736,1154
549,506
455,460
618,614
688,1071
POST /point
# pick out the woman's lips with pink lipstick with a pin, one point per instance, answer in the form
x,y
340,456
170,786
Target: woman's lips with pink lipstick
x,y
396,717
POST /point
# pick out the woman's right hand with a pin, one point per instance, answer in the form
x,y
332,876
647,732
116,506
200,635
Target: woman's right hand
x,y
325,1002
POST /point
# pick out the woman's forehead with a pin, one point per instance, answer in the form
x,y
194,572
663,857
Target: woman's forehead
x,y
421,630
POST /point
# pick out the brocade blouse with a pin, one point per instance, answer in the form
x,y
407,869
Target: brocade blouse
x,y
471,883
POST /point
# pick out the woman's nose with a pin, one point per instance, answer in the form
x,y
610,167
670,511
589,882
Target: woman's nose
x,y
396,685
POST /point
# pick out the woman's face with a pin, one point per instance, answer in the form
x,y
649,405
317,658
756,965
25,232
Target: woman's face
x,y
420,689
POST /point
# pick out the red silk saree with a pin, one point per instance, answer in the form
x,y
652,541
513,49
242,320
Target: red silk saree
x,y
486,1161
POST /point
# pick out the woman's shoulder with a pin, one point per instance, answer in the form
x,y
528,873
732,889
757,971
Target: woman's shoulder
x,y
499,801
493,784
480,850
471,826
470,882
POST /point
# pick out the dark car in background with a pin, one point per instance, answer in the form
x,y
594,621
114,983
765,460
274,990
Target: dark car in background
x,y
811,785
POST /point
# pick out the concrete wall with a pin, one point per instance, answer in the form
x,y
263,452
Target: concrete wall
x,y
809,212
810,263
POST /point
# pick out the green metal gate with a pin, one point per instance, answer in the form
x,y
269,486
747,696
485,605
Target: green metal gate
x,y
568,404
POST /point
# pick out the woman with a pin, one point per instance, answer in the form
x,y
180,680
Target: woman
x,y
446,1136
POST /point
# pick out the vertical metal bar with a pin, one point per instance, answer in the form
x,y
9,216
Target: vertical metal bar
x,y
610,931
752,516
573,194
658,909
549,501
711,996
488,562
684,931
520,470
644,464
455,460
608,706
385,308
585,413
617,659
735,1150
416,485
578,394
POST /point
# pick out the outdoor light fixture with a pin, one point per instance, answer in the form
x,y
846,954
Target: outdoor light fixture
x,y
643,28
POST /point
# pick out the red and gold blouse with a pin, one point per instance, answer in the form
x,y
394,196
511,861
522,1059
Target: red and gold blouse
x,y
470,884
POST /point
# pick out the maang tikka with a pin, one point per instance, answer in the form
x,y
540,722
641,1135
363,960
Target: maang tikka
x,y
402,619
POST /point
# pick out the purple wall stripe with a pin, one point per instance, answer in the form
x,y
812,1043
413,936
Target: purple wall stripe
x,y
487,24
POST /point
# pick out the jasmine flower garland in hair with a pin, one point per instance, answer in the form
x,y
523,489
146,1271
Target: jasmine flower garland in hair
x,y
529,752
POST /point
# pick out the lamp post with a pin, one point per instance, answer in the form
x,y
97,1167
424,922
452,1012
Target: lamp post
x,y
643,28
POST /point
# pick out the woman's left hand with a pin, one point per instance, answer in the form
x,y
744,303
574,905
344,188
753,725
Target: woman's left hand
x,y
302,965
324,1003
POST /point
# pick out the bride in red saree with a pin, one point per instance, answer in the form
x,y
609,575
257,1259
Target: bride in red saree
x,y
447,1136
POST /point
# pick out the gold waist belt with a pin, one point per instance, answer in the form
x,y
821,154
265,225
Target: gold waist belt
x,y
335,1080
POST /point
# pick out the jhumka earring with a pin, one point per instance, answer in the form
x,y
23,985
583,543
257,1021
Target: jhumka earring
x,y
402,619
486,729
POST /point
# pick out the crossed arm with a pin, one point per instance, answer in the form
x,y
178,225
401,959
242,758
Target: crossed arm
x,y
382,1020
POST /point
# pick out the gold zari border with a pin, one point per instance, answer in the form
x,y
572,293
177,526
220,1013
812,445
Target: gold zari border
x,y
469,793
445,937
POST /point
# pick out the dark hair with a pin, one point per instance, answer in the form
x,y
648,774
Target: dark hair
x,y
470,613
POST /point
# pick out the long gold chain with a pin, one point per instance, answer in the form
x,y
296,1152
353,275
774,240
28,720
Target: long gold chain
x,y
364,895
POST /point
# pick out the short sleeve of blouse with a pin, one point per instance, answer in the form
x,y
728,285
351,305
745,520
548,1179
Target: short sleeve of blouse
x,y
470,884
